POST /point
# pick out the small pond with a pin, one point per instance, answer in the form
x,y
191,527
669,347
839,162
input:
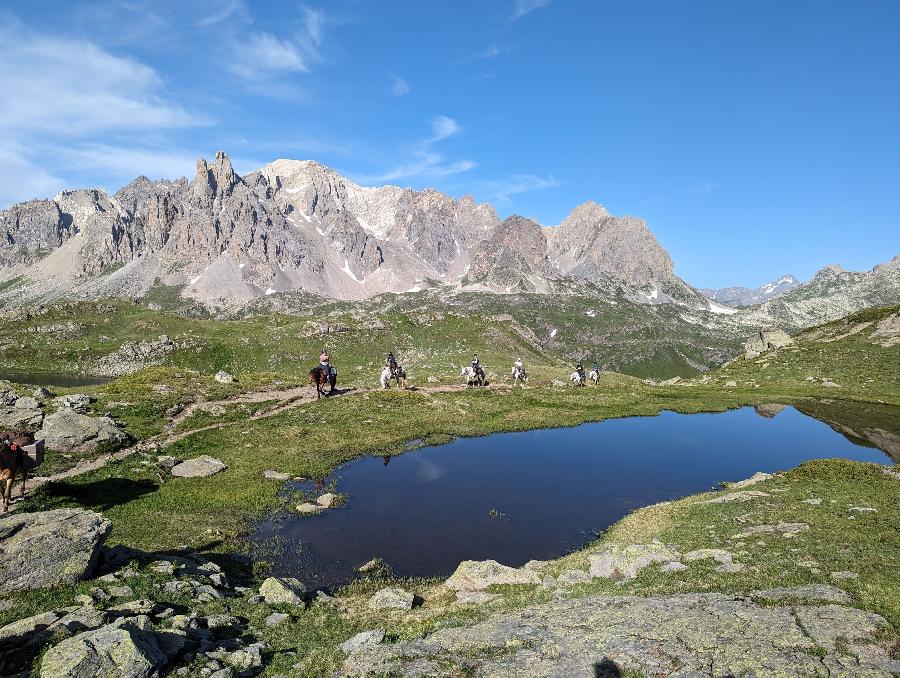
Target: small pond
x,y
538,494
53,379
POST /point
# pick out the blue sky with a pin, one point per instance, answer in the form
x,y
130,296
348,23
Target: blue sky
x,y
755,137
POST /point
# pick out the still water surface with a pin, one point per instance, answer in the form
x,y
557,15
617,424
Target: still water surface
x,y
53,379
538,494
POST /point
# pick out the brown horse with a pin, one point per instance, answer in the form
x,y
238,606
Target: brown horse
x,y
322,378
13,462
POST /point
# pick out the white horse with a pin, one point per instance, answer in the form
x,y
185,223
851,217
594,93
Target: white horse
x,y
577,379
399,375
594,376
519,375
473,378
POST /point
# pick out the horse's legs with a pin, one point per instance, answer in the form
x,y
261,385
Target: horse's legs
x,y
24,478
7,491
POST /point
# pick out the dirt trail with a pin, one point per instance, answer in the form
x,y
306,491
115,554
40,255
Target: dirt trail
x,y
287,399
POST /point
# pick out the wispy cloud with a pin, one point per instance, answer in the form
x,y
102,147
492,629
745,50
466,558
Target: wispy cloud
x,y
500,191
423,160
524,7
50,91
63,108
222,13
399,86
263,55
488,53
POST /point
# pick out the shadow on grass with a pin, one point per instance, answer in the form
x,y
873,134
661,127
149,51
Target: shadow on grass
x,y
100,495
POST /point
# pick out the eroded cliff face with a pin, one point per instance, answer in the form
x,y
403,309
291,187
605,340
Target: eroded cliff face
x,y
298,225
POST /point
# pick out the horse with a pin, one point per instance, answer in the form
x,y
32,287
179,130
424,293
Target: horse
x,y
519,375
474,377
594,376
13,463
577,378
322,378
399,374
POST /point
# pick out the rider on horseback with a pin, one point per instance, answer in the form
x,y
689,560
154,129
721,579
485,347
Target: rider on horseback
x,y
325,362
595,367
476,365
391,362
517,367
579,370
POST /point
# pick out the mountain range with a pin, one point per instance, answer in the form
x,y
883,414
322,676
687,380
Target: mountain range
x,y
298,225
744,296
223,241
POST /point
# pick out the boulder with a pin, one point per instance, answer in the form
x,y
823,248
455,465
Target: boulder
x,y
326,500
27,403
49,548
69,431
364,639
126,648
276,475
624,562
766,340
476,575
198,467
224,378
18,418
392,598
757,477
134,356
282,591
75,401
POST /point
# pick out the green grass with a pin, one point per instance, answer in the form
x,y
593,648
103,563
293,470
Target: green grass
x,y
154,513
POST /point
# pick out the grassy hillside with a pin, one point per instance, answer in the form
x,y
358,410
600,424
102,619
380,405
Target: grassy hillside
x,y
432,335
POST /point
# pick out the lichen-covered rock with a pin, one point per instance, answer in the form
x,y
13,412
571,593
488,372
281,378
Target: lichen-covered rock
x,y
476,575
49,548
125,648
75,401
198,467
392,598
224,377
699,634
69,431
134,356
766,340
282,591
624,562
364,639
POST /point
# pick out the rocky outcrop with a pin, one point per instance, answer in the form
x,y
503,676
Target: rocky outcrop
x,y
766,340
49,548
476,575
134,356
126,648
702,634
68,430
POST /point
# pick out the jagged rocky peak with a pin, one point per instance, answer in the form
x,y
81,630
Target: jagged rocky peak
x,y
591,243
515,256
219,177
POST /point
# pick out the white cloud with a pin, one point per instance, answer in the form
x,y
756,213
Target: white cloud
x,y
523,7
22,178
399,86
224,12
66,99
443,127
423,160
499,191
64,86
264,54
